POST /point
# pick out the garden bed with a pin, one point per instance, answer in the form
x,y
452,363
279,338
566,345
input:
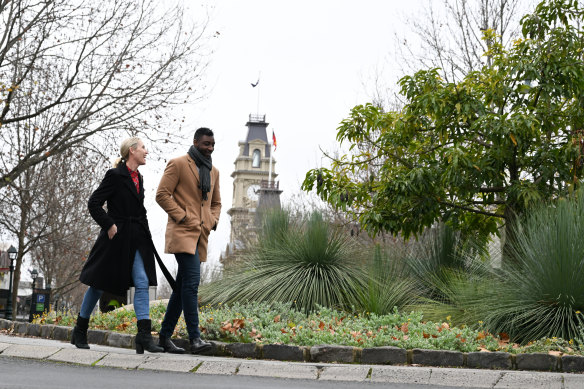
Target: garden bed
x,y
280,324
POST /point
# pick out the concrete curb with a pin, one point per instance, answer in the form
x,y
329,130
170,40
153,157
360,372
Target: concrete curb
x,y
330,353
442,358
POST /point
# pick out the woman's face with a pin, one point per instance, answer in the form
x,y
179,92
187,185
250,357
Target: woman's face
x,y
139,153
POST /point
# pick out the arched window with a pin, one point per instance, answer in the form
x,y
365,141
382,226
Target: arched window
x,y
256,158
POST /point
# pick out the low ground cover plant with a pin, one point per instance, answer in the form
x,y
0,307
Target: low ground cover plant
x,y
279,323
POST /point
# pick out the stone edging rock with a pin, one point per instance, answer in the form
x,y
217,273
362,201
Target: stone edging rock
x,y
330,353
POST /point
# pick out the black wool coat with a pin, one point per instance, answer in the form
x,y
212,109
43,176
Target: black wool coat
x,y
109,264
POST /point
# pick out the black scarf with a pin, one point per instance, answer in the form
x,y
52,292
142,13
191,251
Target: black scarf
x,y
204,164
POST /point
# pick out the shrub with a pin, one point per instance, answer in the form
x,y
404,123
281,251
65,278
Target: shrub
x,y
451,272
440,255
543,296
307,262
388,284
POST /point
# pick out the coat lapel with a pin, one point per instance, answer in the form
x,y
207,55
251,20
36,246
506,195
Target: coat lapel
x,y
128,182
193,167
141,183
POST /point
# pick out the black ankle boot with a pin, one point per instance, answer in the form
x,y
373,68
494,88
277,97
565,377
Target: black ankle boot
x,y
144,339
169,346
79,334
198,345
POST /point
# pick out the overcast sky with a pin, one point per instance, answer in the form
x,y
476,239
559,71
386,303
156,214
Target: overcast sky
x,y
316,60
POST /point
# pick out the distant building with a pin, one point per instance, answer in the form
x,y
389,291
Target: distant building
x,y
4,276
24,286
252,187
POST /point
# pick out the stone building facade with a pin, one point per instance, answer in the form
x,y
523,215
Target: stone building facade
x,y
251,178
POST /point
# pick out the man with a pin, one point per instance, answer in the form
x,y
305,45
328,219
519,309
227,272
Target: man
x,y
189,193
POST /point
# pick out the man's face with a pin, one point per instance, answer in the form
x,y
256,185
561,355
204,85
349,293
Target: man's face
x,y
205,145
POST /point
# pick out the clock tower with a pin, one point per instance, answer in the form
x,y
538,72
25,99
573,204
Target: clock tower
x,y
251,175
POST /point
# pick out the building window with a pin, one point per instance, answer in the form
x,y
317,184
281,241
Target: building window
x,y
256,158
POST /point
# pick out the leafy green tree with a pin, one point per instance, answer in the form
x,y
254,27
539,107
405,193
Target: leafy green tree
x,y
476,153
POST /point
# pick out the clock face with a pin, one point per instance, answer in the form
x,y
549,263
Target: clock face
x,y
252,192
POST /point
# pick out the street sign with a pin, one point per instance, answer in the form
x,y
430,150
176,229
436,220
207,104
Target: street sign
x,y
40,303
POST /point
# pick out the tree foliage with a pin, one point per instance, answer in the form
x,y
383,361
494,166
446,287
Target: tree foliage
x,y
45,209
65,230
450,37
447,34
474,153
72,70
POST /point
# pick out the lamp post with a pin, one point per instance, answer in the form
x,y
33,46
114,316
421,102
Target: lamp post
x,y
12,253
34,274
48,304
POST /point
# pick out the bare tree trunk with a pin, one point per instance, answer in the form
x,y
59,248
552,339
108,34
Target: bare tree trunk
x,y
512,213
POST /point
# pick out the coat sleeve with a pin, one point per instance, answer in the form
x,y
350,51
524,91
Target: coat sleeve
x,y
216,202
168,183
99,197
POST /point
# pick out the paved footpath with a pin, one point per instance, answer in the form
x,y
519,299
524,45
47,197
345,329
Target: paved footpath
x,y
58,351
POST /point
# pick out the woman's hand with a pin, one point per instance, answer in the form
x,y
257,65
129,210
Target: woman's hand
x,y
113,230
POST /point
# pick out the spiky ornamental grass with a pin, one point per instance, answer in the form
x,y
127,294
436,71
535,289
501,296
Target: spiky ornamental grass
x,y
440,255
307,262
544,295
448,269
388,285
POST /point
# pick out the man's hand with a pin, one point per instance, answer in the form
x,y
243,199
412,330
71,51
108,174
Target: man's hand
x,y
113,230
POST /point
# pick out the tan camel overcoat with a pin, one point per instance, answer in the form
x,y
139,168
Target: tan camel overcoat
x,y
180,196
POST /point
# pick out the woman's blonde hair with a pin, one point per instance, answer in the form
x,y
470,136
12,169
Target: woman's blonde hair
x,y
127,144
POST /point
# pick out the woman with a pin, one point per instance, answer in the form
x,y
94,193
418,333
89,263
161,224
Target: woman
x,y
122,256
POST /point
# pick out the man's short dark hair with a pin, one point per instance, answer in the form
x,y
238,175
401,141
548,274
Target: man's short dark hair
x,y
202,132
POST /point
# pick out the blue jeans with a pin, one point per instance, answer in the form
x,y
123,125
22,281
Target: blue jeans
x,y
141,299
184,297
89,300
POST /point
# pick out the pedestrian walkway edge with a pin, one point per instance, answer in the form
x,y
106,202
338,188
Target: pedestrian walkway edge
x,y
329,353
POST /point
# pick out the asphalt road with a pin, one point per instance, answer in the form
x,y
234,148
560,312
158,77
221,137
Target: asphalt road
x,y
31,374
27,362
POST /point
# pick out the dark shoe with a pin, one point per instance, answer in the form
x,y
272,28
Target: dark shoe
x,y
79,334
144,339
169,346
198,345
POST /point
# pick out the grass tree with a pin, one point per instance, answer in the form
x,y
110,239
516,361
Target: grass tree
x,y
389,284
541,297
544,295
308,262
